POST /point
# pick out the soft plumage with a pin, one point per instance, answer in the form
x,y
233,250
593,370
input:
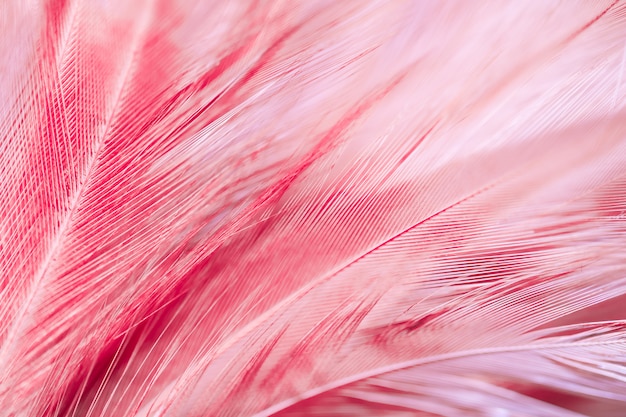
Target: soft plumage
x,y
338,208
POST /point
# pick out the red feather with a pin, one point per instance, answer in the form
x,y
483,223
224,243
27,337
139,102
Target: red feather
x,y
337,208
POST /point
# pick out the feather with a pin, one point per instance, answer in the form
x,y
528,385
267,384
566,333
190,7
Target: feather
x,y
273,208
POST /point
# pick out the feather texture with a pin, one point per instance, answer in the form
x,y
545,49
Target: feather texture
x,y
282,208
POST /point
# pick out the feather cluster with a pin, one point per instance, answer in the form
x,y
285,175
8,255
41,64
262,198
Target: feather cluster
x,y
337,208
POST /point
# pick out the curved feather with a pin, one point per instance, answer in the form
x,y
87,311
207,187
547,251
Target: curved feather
x,y
289,208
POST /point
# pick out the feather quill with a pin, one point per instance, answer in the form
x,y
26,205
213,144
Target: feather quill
x,y
282,208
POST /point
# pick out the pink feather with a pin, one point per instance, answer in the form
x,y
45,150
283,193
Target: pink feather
x,y
337,208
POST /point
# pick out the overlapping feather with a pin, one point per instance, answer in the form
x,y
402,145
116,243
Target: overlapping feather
x,y
256,208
